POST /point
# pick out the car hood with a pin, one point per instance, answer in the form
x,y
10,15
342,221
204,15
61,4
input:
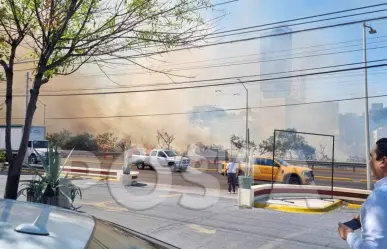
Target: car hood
x,y
298,168
41,151
78,227
176,158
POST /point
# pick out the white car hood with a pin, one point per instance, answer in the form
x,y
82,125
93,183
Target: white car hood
x,y
41,151
78,227
176,158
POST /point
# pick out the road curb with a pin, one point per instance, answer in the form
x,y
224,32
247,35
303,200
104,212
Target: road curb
x,y
365,181
334,178
300,210
353,206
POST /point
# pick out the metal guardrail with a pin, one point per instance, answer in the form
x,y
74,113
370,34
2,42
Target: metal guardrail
x,y
310,163
327,164
65,153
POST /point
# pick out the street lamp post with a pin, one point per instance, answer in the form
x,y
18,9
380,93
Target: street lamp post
x,y
247,120
44,112
366,117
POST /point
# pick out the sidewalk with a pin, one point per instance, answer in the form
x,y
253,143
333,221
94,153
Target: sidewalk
x,y
223,225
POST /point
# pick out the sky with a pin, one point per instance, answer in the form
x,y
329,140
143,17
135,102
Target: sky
x,y
231,60
266,11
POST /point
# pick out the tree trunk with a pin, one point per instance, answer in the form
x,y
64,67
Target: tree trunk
x,y
8,116
12,185
8,102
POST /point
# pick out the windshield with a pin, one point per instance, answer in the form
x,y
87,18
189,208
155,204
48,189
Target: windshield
x,y
170,153
109,235
40,144
284,163
141,152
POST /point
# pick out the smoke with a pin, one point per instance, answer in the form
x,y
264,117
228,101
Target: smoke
x,y
205,63
142,129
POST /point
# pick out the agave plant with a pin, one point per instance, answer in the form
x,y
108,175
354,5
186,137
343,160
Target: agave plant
x,y
50,184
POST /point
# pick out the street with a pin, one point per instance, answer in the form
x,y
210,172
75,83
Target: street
x,y
342,178
221,225
189,216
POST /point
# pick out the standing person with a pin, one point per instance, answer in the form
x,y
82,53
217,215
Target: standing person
x,y
231,175
373,212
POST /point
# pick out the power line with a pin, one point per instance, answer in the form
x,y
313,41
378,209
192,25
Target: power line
x,y
225,78
214,85
296,24
255,38
219,65
302,18
157,84
239,63
287,25
211,111
279,51
234,41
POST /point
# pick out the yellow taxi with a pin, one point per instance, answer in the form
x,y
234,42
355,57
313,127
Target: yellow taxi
x,y
282,172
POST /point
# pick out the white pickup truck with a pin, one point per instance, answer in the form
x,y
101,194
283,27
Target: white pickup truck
x,y
164,158
37,143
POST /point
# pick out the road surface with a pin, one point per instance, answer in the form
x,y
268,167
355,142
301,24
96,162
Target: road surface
x,y
342,178
221,224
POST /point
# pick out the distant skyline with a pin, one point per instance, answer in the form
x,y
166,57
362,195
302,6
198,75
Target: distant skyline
x,y
266,11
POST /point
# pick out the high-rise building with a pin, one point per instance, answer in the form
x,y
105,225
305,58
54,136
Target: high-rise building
x,y
288,94
275,58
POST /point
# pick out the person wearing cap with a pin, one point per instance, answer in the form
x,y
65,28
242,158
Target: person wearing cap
x,y
373,212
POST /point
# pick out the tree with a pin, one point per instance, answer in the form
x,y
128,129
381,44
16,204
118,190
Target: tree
x,y
165,138
356,159
106,141
64,35
322,154
239,143
287,142
84,141
59,138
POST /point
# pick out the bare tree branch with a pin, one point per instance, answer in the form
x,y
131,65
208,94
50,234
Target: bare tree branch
x,y
166,138
107,76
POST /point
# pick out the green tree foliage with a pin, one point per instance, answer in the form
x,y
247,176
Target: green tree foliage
x,y
84,141
287,144
63,35
59,138
239,143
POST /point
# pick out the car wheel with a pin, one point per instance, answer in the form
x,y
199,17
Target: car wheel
x,y
140,165
294,180
173,167
32,159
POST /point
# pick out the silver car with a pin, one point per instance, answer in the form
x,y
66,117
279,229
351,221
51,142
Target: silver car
x,y
28,225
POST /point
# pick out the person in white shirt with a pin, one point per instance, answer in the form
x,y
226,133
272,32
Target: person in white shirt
x,y
373,212
231,175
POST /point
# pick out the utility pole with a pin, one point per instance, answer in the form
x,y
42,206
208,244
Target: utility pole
x,y
247,121
44,112
27,89
366,117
